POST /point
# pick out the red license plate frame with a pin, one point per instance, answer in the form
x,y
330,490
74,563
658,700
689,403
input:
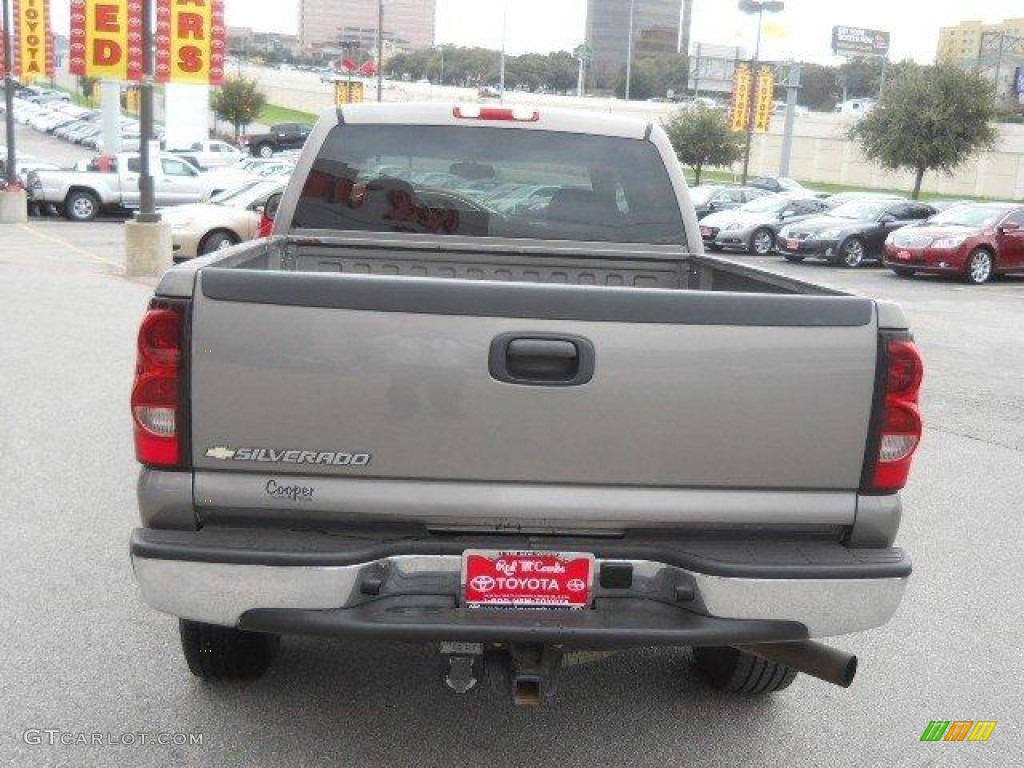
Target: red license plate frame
x,y
525,579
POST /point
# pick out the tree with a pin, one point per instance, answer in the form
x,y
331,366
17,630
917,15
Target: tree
x,y
238,101
818,87
929,118
702,137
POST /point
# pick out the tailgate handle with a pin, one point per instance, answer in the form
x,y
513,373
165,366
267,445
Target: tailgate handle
x,y
542,359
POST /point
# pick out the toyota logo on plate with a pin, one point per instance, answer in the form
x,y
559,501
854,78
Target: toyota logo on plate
x,y
576,585
483,583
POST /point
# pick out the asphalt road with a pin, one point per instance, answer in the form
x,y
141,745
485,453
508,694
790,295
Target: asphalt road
x,y
80,653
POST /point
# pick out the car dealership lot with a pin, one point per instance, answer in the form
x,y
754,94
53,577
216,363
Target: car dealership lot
x,y
82,654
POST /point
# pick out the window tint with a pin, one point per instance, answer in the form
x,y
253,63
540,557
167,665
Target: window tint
x,y
134,165
482,181
901,212
176,167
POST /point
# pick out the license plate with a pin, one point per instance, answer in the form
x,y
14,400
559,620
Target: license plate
x,y
903,255
705,232
527,579
793,245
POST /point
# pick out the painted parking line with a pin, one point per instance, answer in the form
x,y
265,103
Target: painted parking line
x,y
69,246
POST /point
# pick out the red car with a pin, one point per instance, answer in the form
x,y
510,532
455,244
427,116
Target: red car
x,y
974,240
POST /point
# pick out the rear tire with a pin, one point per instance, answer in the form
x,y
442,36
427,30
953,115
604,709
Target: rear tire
x,y
265,150
727,669
224,653
81,205
216,241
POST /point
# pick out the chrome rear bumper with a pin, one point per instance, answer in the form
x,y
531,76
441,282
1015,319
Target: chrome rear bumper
x,y
417,595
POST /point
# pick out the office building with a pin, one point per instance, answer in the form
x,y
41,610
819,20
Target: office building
x,y
993,50
656,30
408,24
962,44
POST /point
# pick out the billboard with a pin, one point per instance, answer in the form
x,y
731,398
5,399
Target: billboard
x,y
854,41
106,39
33,40
190,45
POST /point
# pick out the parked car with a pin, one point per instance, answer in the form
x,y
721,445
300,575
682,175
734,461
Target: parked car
x,y
834,201
509,435
227,219
975,240
780,184
754,226
112,182
779,109
709,198
855,106
850,234
210,154
281,136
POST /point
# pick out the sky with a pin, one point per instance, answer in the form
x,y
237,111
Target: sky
x,y
547,25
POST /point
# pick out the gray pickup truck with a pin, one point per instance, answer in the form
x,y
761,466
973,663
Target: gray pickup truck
x,y
111,182
522,435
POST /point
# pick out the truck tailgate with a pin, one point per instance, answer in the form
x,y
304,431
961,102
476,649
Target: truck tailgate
x,y
392,378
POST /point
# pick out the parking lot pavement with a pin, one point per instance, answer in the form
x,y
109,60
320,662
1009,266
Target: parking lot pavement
x,y
80,653
29,141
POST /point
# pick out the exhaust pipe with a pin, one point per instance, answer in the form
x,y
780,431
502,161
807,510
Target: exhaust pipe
x,y
811,658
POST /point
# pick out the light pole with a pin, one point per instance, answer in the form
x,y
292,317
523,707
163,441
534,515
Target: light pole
x,y
11,162
380,50
629,47
504,36
758,7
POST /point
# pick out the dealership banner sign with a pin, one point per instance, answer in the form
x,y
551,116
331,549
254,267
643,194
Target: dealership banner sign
x,y
190,41
33,40
106,39
855,41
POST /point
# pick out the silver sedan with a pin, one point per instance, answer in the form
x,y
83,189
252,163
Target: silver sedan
x,y
753,227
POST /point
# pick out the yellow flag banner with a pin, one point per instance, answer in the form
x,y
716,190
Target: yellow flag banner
x,y
765,99
742,85
33,40
106,39
190,37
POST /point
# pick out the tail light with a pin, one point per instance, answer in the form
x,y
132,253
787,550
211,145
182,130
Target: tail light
x,y
896,421
158,395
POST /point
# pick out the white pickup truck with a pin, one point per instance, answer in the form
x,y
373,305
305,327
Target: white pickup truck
x,y
112,182
517,432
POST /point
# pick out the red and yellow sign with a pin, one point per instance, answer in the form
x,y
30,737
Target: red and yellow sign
x,y
190,44
33,40
106,39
